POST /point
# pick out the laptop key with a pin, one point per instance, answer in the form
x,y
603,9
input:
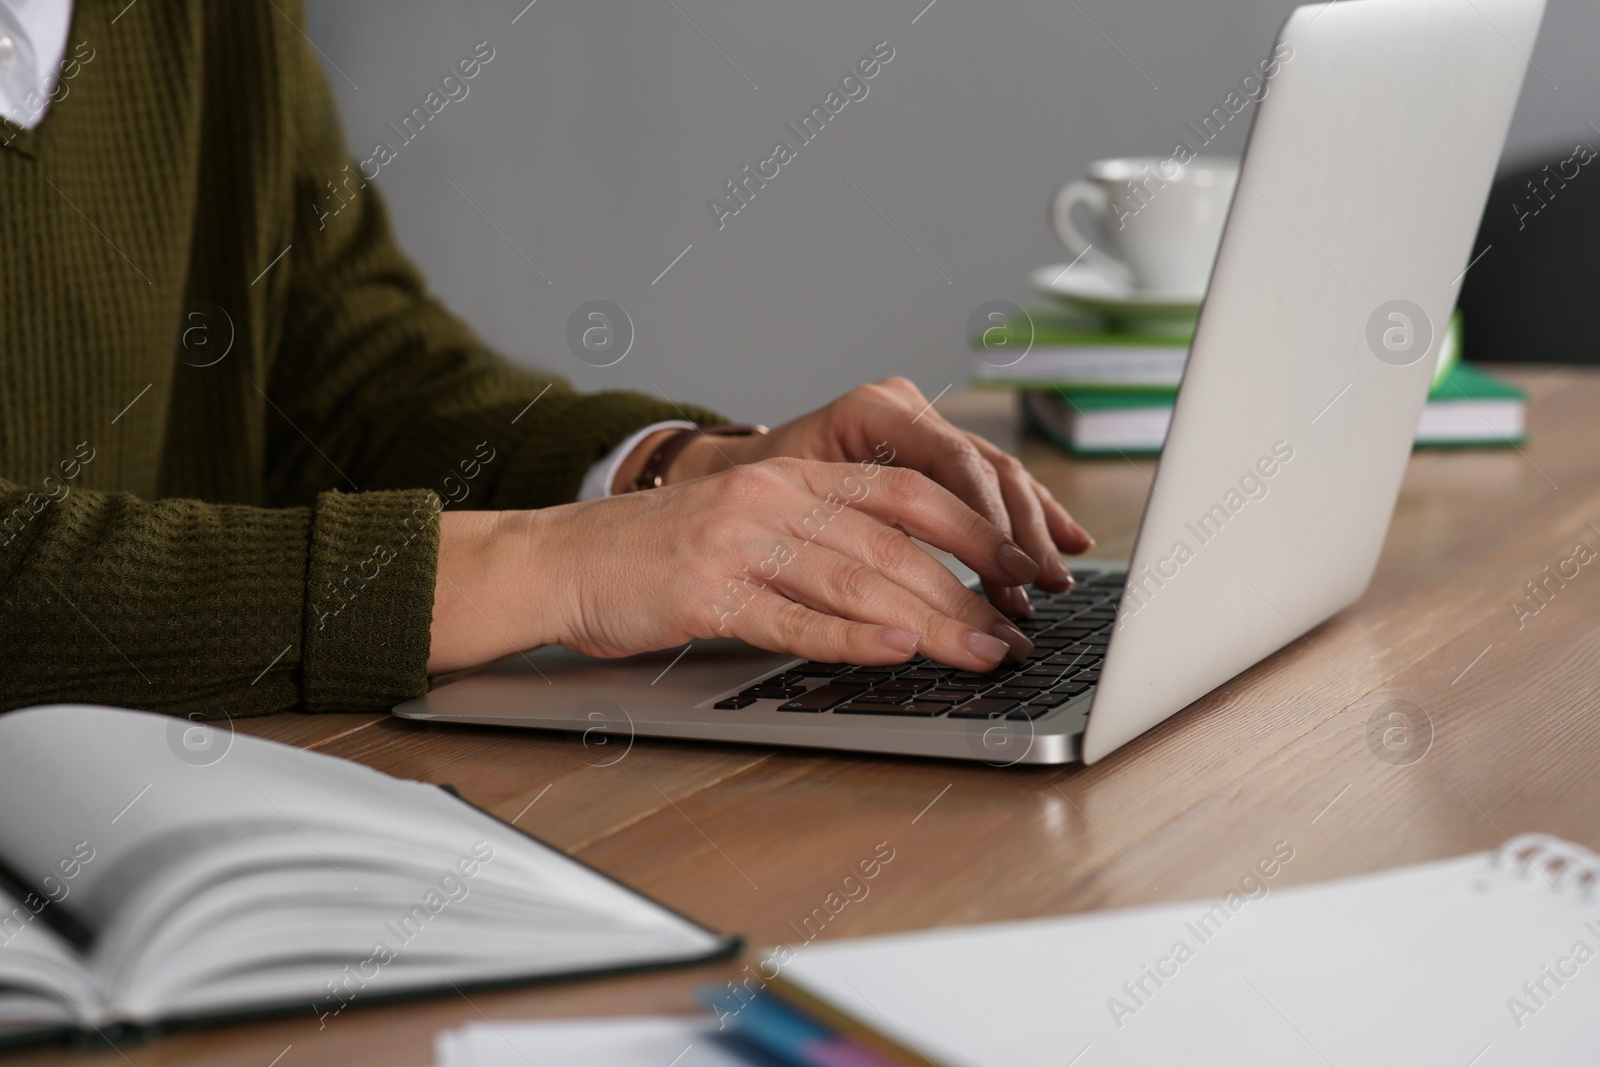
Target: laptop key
x,y
1032,711
1029,683
763,692
878,696
734,703
1051,643
768,691
1007,692
905,685
919,708
813,669
983,708
822,698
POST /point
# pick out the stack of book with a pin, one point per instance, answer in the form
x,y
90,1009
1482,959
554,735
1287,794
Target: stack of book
x,y
1095,391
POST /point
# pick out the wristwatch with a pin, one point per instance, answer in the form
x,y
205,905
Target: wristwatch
x,y
654,473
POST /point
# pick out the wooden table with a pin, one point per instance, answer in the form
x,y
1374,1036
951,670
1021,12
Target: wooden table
x,y
752,840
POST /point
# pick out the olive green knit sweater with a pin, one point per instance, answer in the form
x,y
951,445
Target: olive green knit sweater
x,y
226,421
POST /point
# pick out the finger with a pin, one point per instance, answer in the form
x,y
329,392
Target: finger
x,y
921,507
895,411
778,624
836,584
1068,534
891,552
1028,524
925,442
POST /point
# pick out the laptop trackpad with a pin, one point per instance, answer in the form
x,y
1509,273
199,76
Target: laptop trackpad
x,y
554,683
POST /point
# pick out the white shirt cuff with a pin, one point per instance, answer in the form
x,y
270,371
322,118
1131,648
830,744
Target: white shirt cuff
x,y
597,483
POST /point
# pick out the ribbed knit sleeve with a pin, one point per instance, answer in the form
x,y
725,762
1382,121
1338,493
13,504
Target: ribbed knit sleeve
x,y
272,409
393,389
217,610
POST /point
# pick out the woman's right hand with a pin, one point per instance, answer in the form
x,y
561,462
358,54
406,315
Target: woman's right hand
x,y
797,556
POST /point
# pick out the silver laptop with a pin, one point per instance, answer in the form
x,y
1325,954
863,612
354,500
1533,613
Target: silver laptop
x,y
1359,198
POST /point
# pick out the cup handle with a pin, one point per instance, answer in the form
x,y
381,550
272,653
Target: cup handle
x,y
1084,250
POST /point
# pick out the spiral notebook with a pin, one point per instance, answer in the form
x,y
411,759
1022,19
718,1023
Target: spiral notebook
x,y
1486,960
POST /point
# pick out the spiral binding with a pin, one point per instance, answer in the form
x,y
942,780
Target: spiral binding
x,y
1563,864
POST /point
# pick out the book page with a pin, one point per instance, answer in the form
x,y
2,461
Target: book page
x,y
43,982
115,798
237,876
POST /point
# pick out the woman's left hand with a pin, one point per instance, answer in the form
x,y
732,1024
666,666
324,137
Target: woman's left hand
x,y
891,422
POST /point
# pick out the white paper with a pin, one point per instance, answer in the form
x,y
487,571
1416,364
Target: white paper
x,y
662,1041
1422,965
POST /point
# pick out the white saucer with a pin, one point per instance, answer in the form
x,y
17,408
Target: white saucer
x,y
1086,288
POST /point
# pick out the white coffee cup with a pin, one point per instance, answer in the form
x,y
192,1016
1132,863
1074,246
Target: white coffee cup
x,y
1160,221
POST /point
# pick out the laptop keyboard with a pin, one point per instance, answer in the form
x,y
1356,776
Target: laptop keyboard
x,y
1069,632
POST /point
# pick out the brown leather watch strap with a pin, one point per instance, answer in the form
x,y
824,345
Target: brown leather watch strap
x,y
654,473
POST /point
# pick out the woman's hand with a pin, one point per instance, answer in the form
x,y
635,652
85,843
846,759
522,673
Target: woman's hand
x,y
892,422
790,555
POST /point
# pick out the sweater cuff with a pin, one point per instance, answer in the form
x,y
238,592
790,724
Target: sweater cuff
x,y
369,599
549,468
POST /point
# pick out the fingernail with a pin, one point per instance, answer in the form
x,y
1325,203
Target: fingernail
x,y
992,649
1024,602
1086,535
1016,564
1015,640
900,640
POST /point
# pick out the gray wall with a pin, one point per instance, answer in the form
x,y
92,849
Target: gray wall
x,y
599,131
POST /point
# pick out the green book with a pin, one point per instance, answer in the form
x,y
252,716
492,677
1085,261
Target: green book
x,y
1052,350
1467,408
1048,349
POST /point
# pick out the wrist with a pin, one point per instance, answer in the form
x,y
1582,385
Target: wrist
x,y
682,455
483,589
704,455
633,464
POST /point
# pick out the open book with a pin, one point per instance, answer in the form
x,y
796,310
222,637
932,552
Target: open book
x,y
157,871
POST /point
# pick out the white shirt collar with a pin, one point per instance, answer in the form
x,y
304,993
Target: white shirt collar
x,y
33,40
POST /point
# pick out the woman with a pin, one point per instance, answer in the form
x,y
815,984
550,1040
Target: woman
x,y
248,464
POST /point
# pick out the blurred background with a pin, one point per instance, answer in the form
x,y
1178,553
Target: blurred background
x,y
581,162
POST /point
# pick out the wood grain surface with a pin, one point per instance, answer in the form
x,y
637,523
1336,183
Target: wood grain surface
x,y
752,840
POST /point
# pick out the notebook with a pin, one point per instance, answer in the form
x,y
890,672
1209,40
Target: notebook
x,y
1485,960
159,871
